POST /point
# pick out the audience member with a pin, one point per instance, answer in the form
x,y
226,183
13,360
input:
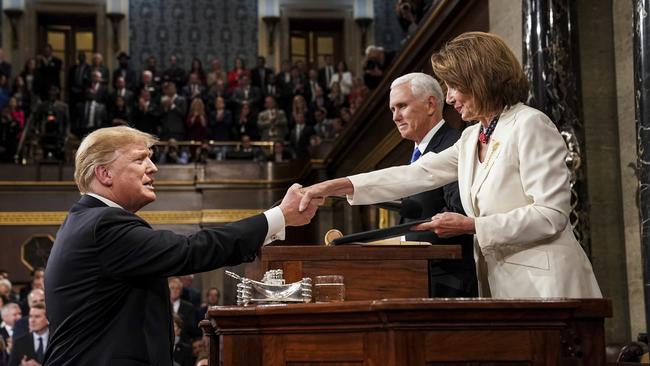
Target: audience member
x,y
174,109
194,88
5,67
211,299
173,154
32,347
148,82
98,66
336,99
5,91
259,73
125,71
373,66
79,80
49,71
272,122
99,88
52,119
23,97
216,72
280,153
91,115
189,293
120,112
234,75
35,297
247,93
197,122
156,77
300,134
312,85
184,309
326,72
320,101
343,77
146,116
220,122
197,68
299,106
36,282
182,350
246,151
29,74
123,91
10,314
245,124
174,74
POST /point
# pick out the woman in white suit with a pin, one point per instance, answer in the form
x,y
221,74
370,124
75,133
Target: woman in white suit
x,y
343,77
511,174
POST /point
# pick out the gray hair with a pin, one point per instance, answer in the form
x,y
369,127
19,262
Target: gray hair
x,y
422,86
7,308
5,282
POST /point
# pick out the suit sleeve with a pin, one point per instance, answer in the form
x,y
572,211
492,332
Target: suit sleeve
x,y
129,247
429,172
545,181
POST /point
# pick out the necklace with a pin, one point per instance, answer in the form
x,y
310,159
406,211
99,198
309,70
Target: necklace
x,y
485,133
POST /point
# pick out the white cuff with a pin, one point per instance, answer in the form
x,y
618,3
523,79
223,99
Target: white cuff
x,y
275,219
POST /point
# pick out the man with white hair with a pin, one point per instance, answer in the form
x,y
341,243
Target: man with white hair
x,y
36,296
10,314
416,102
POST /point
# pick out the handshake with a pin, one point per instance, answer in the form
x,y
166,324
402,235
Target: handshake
x,y
300,204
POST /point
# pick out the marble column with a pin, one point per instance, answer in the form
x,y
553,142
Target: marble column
x,y
642,93
551,63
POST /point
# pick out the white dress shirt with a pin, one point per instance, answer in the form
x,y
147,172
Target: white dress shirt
x,y
45,335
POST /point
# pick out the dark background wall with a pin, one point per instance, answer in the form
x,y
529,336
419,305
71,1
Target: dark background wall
x,y
388,32
197,28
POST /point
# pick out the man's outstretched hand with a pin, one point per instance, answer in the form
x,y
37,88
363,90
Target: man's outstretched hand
x,y
290,207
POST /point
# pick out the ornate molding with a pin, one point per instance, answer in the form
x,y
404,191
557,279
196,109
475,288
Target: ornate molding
x,y
208,216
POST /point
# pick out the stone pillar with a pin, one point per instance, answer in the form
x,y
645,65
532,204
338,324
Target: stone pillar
x,y
552,65
642,93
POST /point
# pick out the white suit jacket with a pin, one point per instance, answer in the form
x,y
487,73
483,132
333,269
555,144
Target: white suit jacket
x,y
520,201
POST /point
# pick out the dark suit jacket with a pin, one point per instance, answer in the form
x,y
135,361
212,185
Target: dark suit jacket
x,y
130,79
256,76
108,298
23,346
22,326
48,75
447,278
187,312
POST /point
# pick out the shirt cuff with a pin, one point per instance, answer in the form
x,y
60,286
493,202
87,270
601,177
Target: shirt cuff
x,y
275,219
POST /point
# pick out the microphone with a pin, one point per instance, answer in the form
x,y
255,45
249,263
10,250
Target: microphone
x,y
407,208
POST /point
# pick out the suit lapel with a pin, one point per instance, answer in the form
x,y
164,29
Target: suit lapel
x,y
500,136
468,169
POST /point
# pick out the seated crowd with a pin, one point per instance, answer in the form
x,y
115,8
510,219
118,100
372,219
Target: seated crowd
x,y
297,107
24,325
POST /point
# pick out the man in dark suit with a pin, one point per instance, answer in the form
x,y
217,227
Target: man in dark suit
x,y
326,72
10,314
416,101
107,293
184,309
260,74
30,349
5,67
79,80
124,70
174,110
49,72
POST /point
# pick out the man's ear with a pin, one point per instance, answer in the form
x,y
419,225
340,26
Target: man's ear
x,y
432,105
103,175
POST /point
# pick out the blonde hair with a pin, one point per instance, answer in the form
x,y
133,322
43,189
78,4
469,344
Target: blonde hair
x,y
483,66
100,148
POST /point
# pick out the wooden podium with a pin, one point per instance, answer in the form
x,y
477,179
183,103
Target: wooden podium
x,y
370,272
412,332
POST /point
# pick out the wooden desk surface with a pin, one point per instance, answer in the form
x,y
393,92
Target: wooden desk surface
x,y
358,252
413,332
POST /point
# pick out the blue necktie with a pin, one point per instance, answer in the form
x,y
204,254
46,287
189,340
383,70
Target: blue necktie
x,y
416,155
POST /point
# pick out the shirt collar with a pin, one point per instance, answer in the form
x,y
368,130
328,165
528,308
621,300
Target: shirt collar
x,y
105,200
422,146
